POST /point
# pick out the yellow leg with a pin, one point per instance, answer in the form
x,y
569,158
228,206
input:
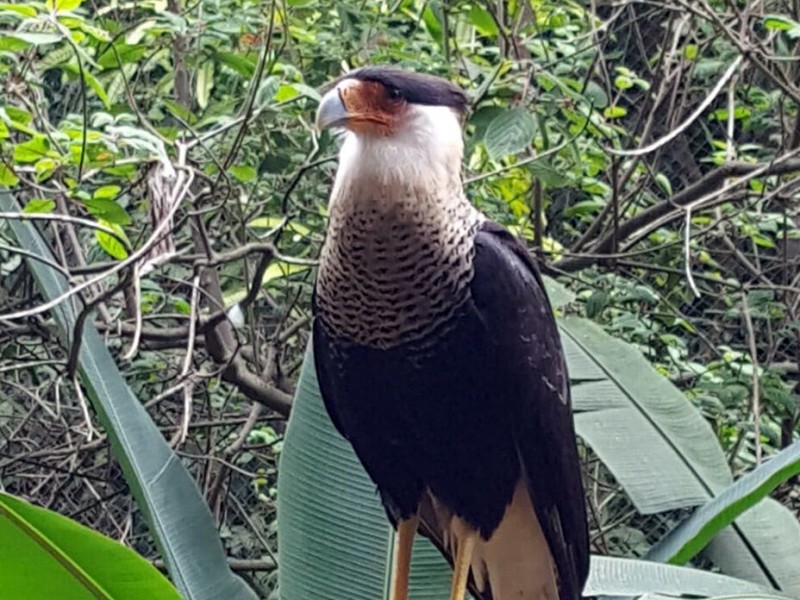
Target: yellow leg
x,y
461,566
402,557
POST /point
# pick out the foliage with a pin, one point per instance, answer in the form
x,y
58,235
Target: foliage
x,y
616,395
685,541
46,555
178,516
166,152
335,539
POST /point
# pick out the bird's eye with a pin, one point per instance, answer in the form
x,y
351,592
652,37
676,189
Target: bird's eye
x,y
395,94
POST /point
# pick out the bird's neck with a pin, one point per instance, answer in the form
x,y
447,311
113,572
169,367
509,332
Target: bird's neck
x,y
402,187
398,252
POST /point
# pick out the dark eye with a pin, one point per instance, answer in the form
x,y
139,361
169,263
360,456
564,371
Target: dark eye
x,y
394,93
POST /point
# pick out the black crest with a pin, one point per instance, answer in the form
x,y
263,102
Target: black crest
x,y
416,88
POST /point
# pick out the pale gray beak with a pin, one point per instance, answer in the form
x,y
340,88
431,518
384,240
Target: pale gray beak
x,y
331,111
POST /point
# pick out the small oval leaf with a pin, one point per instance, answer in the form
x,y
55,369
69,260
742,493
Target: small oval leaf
x,y
39,205
509,132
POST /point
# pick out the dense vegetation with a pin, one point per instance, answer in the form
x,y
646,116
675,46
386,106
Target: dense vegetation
x,y
647,152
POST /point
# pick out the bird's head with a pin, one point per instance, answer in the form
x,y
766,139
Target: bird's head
x,y
385,101
395,119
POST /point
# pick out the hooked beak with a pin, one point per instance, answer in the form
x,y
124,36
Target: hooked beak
x,y
332,111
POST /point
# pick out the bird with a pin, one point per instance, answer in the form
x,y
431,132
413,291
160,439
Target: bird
x,y
437,352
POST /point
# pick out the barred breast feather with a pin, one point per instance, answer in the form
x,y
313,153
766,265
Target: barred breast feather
x,y
396,263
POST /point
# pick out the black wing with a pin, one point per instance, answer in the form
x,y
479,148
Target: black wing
x,y
509,295
519,372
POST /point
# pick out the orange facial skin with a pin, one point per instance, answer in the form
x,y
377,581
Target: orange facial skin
x,y
372,109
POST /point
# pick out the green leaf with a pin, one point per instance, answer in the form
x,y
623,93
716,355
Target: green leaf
x,y
243,173
99,34
612,576
40,205
7,176
97,88
55,57
38,38
125,54
308,91
596,94
336,542
106,192
761,240
433,24
110,243
18,115
596,303
241,65
286,91
663,181
558,293
690,537
135,35
276,270
483,21
45,167
179,519
43,552
617,395
32,150
182,306
12,44
65,5
780,23
20,9
509,132
615,112
179,110
622,82
108,210
204,83
90,80
552,177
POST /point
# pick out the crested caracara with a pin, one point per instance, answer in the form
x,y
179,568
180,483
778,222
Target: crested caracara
x,y
437,353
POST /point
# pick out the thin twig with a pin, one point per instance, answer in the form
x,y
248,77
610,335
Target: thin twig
x,y
755,403
675,132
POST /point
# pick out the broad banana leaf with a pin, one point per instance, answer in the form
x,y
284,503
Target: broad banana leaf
x,y
692,535
665,455
178,516
46,555
336,543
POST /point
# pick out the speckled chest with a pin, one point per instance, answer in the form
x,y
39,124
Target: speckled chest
x,y
396,263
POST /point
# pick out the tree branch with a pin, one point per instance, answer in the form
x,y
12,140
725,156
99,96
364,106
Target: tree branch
x,y
705,185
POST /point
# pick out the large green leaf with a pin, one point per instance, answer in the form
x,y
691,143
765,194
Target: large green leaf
x,y
45,555
626,577
690,537
509,132
665,455
176,512
336,543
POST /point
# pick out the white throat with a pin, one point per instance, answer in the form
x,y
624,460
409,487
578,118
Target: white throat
x,y
424,154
